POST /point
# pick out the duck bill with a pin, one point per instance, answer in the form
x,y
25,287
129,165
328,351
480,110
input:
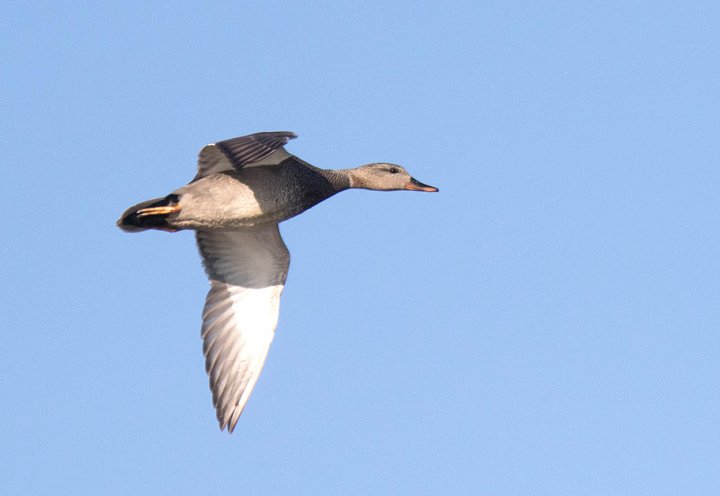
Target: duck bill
x,y
415,185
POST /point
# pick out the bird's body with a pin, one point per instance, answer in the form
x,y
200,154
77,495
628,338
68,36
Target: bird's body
x,y
254,196
244,187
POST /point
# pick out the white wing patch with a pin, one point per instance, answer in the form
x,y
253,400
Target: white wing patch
x,y
247,271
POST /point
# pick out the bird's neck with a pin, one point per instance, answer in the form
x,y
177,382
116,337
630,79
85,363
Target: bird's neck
x,y
341,179
355,179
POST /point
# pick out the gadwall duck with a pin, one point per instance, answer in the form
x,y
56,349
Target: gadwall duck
x,y
243,188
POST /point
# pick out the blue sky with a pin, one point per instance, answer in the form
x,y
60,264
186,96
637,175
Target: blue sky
x,y
546,324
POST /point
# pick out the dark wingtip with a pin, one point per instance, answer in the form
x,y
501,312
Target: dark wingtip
x,y
288,135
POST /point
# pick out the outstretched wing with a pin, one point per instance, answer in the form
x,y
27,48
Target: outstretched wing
x,y
247,271
254,149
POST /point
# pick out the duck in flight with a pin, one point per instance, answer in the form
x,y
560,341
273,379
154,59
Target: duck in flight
x,y
243,188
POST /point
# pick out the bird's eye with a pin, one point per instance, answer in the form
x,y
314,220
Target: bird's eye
x,y
394,170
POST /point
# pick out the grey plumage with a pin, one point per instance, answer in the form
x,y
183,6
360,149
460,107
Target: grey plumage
x,y
243,188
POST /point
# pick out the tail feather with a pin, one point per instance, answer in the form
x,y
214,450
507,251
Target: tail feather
x,y
129,221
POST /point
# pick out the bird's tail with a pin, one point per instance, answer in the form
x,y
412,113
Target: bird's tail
x,y
150,214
